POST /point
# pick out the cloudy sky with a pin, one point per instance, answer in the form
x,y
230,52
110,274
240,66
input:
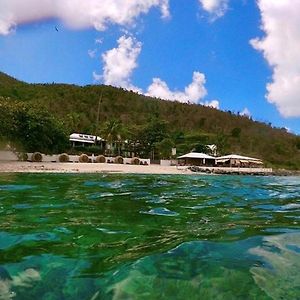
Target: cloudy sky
x,y
238,55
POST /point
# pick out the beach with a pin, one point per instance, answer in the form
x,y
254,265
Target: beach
x,y
56,167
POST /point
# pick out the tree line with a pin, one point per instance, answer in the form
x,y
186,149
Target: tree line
x,y
40,117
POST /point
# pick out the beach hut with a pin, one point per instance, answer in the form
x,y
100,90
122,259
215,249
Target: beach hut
x,y
197,159
234,160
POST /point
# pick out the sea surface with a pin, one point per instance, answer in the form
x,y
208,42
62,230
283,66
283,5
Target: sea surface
x,y
97,236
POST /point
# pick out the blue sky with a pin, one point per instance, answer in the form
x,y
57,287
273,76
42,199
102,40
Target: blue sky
x,y
202,51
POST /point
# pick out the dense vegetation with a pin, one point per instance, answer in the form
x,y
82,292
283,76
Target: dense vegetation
x,y
153,126
31,128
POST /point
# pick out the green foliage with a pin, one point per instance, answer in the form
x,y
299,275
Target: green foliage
x,y
297,143
31,128
113,131
155,131
222,143
145,121
164,148
201,148
152,134
236,132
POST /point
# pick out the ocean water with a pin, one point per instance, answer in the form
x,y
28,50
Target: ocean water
x,y
97,236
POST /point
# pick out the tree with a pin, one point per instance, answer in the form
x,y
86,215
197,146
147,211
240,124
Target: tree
x,y
201,148
236,132
154,132
113,130
222,143
72,122
31,129
165,148
297,143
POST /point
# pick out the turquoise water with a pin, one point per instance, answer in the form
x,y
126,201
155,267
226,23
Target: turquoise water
x,y
149,237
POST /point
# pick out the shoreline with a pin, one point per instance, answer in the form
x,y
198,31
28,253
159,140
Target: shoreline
x,y
70,167
283,172
81,168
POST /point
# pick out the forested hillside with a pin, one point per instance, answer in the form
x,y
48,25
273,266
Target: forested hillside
x,y
123,115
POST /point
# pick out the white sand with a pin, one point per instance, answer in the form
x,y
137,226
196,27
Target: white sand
x,y
50,167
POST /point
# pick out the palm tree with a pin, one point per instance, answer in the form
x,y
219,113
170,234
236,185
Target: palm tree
x,y
113,130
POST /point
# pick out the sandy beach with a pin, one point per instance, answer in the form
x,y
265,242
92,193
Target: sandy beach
x,y
50,167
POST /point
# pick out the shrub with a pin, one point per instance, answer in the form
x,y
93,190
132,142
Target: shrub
x,y
22,156
31,128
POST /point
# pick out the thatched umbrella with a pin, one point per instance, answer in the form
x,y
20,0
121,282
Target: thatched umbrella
x,y
36,157
100,159
83,158
135,161
119,160
64,157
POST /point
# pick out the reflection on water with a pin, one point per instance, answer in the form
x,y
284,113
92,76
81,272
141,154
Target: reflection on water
x,y
149,237
24,279
280,276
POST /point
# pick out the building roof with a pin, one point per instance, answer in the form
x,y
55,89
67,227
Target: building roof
x,y
238,157
196,155
84,138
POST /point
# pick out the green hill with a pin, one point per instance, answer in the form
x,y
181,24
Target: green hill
x,y
188,126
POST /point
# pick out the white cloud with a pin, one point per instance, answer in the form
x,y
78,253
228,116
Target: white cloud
x,y
212,103
281,48
97,77
120,62
76,13
192,93
216,8
245,112
99,41
92,53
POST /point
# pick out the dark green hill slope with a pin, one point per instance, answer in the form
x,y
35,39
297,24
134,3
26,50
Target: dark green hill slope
x,y
6,79
189,125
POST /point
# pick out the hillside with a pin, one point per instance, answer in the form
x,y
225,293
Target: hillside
x,y
188,125
6,80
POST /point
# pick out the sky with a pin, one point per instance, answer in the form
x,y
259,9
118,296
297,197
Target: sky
x,y
237,55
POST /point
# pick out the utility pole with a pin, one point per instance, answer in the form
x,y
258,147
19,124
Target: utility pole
x,y
98,112
98,115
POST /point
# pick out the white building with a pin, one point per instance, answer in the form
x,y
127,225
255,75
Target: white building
x,y
82,139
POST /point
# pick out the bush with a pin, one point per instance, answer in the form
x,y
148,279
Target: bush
x,y
236,132
22,156
31,128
